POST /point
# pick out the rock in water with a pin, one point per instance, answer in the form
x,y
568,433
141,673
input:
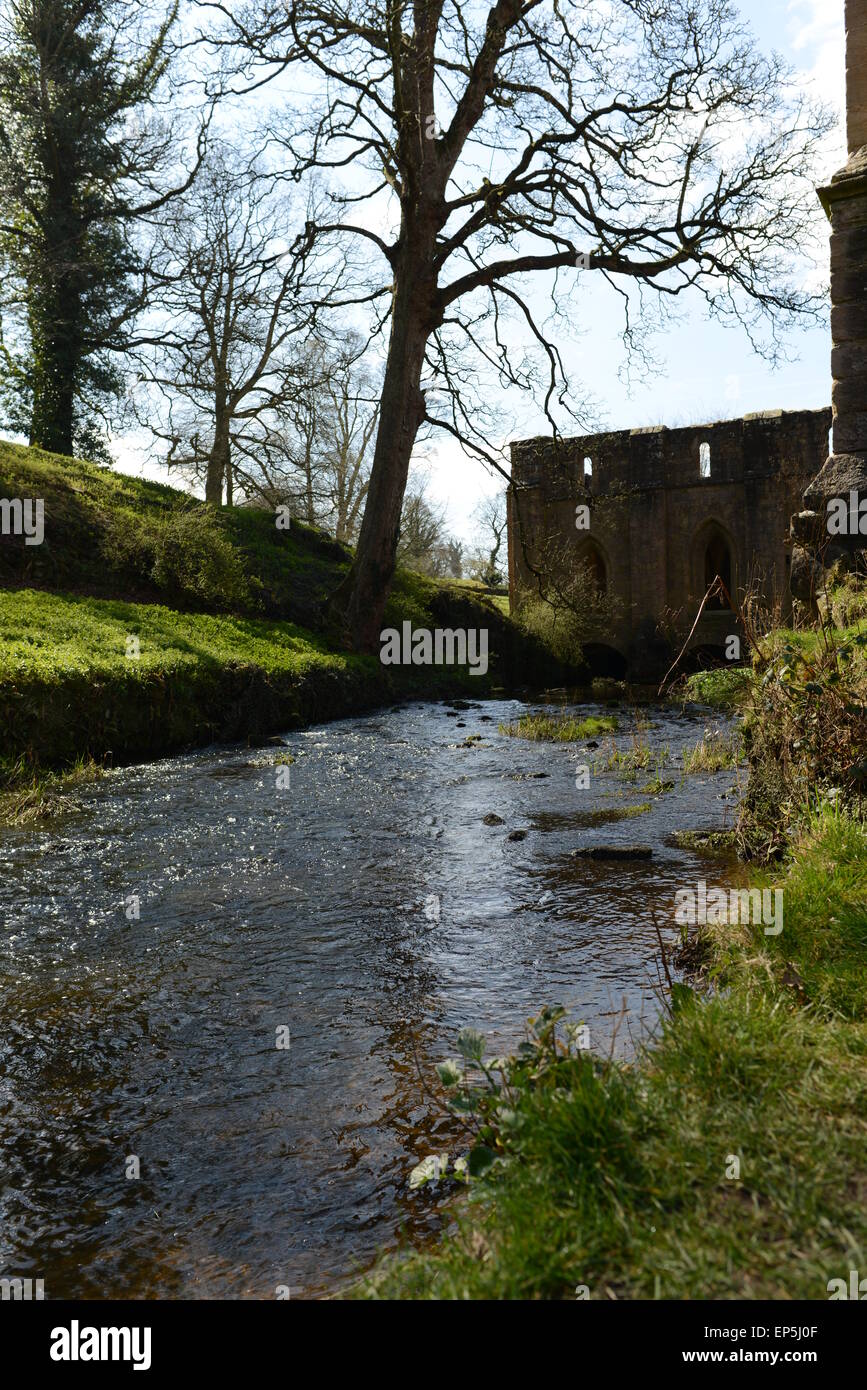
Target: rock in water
x,y
613,852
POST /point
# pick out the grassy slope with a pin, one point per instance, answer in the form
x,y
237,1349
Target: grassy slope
x,y
67,688
226,611
615,1177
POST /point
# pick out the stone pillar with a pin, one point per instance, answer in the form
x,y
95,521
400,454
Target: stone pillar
x,y
822,533
856,75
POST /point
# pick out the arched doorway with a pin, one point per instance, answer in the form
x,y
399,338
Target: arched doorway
x,y
602,660
593,564
717,561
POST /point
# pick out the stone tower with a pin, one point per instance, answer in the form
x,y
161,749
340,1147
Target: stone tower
x,y
843,476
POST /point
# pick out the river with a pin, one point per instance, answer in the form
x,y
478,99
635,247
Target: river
x,y
190,914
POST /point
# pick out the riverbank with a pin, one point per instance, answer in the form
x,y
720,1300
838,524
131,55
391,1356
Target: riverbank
x,y
145,623
729,1160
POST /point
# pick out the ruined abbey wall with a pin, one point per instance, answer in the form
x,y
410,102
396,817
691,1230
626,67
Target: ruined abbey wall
x,y
654,512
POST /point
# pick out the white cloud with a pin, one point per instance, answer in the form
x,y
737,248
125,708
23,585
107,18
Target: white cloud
x,y
817,37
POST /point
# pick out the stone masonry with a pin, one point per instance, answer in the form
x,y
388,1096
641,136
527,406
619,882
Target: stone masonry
x,y
667,508
844,473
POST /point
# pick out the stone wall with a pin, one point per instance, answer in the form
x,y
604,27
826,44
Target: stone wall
x,y
843,476
653,516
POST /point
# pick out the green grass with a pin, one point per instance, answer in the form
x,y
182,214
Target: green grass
x,y
811,640
230,616
559,728
53,635
614,1177
657,786
39,795
845,603
715,752
710,842
638,756
68,690
725,689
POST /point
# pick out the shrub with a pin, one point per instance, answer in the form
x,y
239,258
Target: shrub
x,y
194,562
805,734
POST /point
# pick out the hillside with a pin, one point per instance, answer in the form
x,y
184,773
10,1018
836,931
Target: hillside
x,y
228,613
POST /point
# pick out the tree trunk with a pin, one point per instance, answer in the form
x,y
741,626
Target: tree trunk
x,y
55,325
218,459
52,415
359,603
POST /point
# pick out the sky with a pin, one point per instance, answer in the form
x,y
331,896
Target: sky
x,y
709,372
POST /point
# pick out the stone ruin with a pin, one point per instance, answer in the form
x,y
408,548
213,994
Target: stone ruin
x,y
667,510
840,488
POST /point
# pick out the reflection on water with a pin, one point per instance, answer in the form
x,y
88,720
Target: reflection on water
x,y
367,907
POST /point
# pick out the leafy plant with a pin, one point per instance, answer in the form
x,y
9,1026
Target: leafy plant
x,y
484,1095
805,734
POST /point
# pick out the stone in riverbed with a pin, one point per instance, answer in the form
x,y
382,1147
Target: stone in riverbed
x,y
613,852
517,835
492,819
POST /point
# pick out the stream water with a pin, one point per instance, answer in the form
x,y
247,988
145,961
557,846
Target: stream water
x,y
366,908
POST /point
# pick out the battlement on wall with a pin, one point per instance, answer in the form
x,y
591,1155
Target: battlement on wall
x,y
783,443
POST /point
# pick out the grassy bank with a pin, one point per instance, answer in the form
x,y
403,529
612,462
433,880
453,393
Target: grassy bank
x,y
724,688
729,1159
68,688
144,623
620,1179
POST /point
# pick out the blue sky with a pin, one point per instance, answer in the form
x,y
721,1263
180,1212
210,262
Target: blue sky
x,y
709,372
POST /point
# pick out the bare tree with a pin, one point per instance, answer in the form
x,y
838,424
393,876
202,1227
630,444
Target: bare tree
x,y
229,348
424,543
491,528
422,530
347,470
328,421
453,558
288,474
648,142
